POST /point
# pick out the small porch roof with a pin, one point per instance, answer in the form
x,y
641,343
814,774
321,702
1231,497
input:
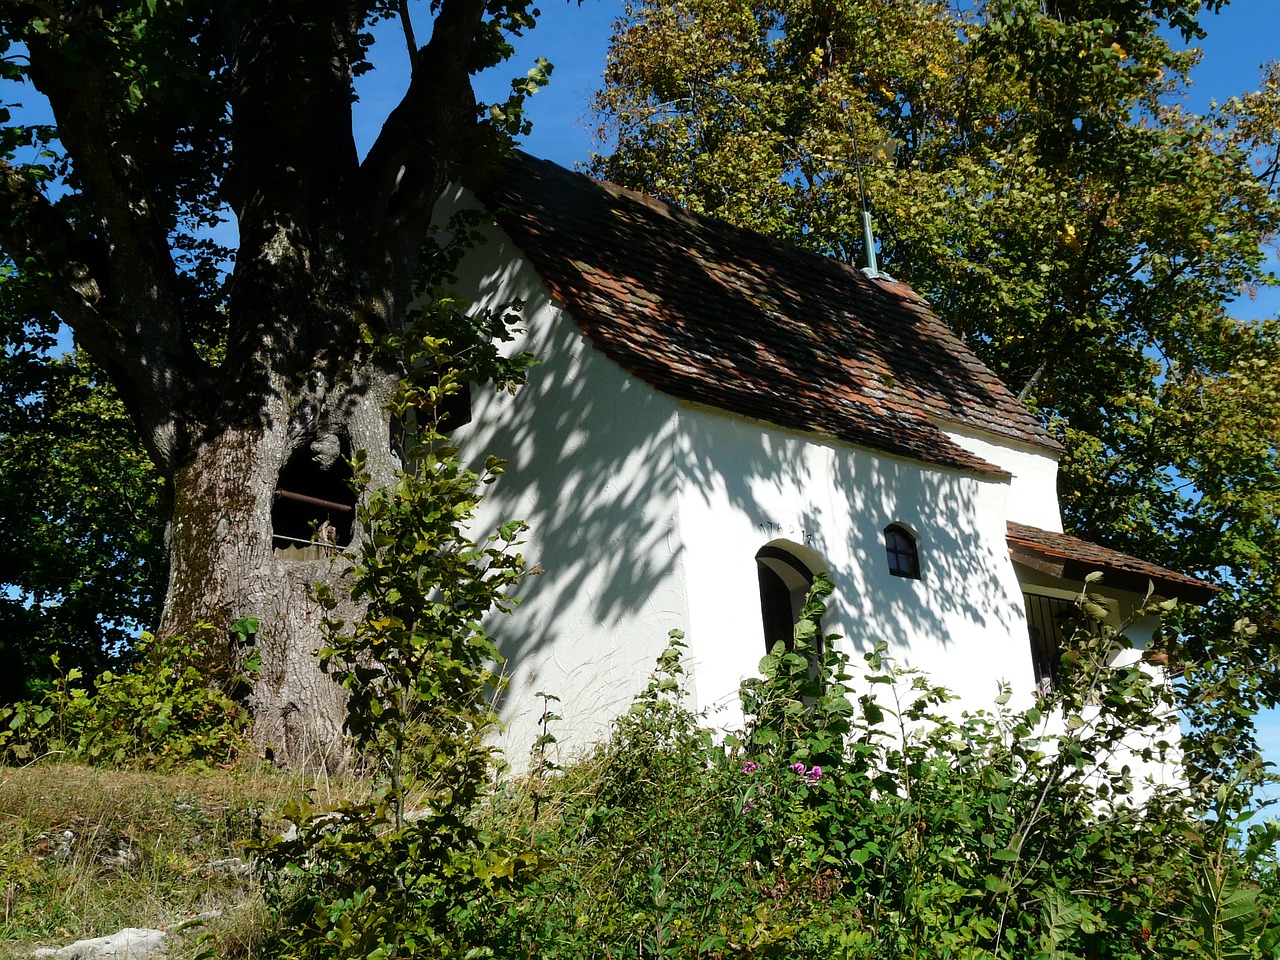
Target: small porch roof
x,y
1066,557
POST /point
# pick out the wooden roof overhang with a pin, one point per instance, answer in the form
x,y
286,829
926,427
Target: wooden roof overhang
x,y
1065,557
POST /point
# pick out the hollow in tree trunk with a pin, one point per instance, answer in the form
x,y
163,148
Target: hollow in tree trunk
x,y
262,512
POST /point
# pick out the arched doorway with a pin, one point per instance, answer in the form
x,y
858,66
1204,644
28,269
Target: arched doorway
x,y
786,572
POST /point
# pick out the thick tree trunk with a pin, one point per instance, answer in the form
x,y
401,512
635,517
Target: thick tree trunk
x,y
234,550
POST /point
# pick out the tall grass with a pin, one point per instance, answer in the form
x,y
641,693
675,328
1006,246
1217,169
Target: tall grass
x,y
87,851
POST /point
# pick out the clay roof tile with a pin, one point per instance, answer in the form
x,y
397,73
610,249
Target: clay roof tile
x,y
1070,558
725,317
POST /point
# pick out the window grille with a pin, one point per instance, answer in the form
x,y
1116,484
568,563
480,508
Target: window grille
x,y
1045,618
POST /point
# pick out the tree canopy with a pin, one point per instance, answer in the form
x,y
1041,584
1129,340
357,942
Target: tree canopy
x,y
81,551
173,117
1034,172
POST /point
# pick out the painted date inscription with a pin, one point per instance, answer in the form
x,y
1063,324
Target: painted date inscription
x,y
791,531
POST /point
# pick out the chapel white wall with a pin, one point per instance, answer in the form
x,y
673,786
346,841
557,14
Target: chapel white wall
x,y
744,484
1033,489
591,470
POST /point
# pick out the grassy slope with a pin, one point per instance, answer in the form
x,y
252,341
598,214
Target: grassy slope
x,y
85,852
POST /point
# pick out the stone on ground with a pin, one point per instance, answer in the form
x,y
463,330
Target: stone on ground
x,y
131,943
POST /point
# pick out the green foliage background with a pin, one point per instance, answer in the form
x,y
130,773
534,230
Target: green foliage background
x,y
168,710
81,540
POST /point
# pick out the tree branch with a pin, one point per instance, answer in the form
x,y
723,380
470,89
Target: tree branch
x,y
426,134
43,246
407,24
420,147
108,175
110,274
153,372
1033,380
290,99
293,171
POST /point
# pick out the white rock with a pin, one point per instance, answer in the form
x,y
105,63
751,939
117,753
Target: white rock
x,y
230,867
131,943
66,843
123,857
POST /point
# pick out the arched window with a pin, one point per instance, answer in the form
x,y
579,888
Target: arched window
x,y
785,580
902,551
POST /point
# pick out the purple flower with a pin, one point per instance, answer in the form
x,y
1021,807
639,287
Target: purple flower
x,y
797,767
750,767
815,775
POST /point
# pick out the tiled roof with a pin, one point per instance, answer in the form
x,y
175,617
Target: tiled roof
x,y
1071,558
716,315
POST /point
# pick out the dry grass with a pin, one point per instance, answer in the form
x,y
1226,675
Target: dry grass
x,y
87,851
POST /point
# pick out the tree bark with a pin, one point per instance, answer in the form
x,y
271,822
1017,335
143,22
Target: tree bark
x,y
227,563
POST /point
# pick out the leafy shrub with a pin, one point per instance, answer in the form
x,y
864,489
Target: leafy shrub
x,y
861,819
165,711
397,873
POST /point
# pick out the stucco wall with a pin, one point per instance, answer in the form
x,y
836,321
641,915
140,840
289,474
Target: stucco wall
x,y
1033,491
745,484
591,470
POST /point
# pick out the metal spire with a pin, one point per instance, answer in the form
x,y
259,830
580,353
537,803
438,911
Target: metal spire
x,y
885,148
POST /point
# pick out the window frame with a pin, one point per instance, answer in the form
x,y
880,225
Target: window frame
x,y
900,543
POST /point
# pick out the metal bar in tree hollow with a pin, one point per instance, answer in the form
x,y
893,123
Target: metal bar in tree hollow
x,y
314,501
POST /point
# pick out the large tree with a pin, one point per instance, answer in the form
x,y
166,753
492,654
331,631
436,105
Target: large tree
x,y
1052,197
250,382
